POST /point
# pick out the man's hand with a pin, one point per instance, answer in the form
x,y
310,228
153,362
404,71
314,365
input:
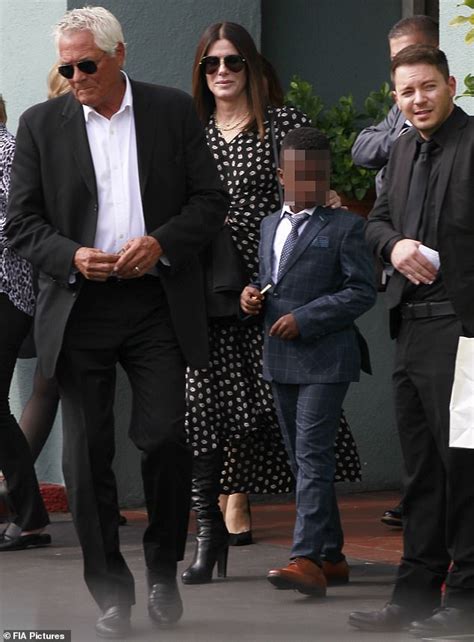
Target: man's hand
x,y
137,257
285,328
94,264
407,259
251,300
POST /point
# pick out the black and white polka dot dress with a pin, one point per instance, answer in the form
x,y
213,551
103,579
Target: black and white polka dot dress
x,y
230,406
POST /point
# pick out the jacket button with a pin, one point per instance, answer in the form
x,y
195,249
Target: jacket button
x,y
276,295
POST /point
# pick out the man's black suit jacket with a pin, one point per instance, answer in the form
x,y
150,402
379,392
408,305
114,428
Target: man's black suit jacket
x,y
53,207
454,211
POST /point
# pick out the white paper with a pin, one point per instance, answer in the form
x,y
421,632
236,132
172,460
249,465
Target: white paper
x,y
461,408
431,255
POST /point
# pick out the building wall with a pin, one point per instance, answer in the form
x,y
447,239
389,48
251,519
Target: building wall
x,y
26,52
460,54
162,36
339,47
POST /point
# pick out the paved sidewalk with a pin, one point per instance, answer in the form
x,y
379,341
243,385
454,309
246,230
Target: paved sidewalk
x,y
43,588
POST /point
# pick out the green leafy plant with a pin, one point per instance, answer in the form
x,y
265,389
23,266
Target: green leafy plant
x,y
469,84
378,103
469,39
341,123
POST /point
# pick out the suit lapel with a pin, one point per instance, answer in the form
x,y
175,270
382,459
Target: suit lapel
x,y
449,152
75,125
145,133
267,240
314,225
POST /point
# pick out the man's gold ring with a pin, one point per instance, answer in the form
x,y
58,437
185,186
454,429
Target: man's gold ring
x,y
136,268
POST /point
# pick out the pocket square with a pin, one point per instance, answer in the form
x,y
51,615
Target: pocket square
x,y
321,241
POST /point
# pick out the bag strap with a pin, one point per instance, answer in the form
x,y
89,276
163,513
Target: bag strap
x,y
275,156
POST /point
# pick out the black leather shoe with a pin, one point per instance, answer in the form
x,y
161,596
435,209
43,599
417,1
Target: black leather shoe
x,y
114,623
391,618
164,603
393,517
22,542
443,622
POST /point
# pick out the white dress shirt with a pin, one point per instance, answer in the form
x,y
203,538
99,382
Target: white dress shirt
x,y
282,231
113,148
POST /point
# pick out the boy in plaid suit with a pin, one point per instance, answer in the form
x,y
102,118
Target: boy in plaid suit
x,y
317,277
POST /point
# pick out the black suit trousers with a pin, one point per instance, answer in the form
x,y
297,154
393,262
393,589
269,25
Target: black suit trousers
x,y
124,322
439,490
16,460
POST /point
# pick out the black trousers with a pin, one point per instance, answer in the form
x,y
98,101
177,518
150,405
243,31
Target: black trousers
x,y
16,460
438,503
124,322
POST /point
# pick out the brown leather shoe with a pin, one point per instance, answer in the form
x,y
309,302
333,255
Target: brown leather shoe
x,y
301,574
336,574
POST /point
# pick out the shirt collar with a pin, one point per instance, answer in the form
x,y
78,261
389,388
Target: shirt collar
x,y
127,101
286,210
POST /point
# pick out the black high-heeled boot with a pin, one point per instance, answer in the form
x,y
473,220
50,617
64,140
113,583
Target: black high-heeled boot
x,y
212,539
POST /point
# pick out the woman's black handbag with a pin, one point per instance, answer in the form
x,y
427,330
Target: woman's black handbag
x,y
224,275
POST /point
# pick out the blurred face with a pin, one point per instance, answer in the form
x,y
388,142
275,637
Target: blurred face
x,y
305,177
226,85
397,44
424,96
102,90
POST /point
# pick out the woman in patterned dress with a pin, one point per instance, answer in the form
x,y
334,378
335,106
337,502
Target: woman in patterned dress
x,y
16,309
231,422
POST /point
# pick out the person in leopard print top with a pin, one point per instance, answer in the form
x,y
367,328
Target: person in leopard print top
x,y
17,302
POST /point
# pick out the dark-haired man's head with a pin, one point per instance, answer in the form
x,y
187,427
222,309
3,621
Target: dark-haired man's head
x,y
305,168
424,90
417,30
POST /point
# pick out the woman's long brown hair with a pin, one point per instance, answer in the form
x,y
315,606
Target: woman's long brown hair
x,y
243,42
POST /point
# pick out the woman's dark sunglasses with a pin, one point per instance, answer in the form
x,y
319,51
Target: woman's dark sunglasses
x,y
86,66
233,62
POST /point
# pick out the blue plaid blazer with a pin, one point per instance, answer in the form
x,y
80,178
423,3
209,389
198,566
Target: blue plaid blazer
x,y
327,283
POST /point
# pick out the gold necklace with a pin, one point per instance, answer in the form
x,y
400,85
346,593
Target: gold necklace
x,y
228,127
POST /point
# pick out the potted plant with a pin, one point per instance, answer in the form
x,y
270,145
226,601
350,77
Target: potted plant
x,y
341,123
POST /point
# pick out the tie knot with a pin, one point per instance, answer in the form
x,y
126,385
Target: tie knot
x,y
426,147
296,219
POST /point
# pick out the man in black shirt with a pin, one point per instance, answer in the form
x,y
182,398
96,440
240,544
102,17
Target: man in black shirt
x,y
422,224
372,146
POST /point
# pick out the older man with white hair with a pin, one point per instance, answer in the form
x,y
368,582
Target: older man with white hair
x,y
114,193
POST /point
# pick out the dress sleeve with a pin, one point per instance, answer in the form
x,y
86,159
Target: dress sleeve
x,y
6,160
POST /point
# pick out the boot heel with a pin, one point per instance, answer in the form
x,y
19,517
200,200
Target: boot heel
x,y
222,562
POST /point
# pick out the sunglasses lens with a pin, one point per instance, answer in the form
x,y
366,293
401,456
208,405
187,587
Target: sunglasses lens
x,y
87,66
66,71
234,63
210,64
